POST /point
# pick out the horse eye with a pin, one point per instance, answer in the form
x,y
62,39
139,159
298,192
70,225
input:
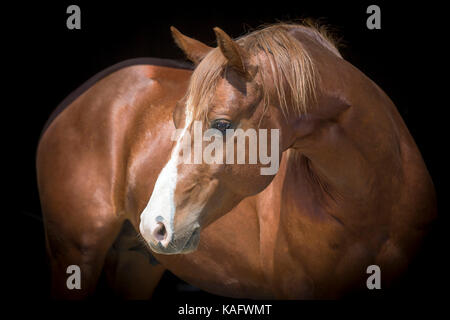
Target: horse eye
x,y
222,125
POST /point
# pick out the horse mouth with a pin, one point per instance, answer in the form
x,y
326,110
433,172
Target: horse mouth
x,y
189,245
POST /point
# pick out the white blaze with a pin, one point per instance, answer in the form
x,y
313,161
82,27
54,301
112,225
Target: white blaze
x,y
162,203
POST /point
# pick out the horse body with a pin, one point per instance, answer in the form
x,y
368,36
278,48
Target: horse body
x,y
352,190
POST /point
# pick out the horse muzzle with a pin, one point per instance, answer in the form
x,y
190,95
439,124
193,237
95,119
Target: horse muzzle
x,y
162,239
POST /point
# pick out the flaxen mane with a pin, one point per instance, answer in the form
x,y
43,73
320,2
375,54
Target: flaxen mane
x,y
291,71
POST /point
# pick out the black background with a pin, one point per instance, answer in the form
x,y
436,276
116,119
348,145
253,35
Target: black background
x,y
49,61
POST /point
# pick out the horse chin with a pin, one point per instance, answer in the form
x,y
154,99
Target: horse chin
x,y
192,243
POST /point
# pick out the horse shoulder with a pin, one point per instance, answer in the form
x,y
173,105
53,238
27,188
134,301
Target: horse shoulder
x,y
83,153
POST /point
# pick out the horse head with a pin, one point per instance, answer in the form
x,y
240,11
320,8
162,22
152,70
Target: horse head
x,y
233,103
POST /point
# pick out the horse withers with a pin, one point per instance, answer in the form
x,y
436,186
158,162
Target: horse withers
x,y
350,190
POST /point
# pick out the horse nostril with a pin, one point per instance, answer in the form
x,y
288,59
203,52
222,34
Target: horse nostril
x,y
160,232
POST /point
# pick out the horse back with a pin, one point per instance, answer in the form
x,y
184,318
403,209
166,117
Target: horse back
x,y
149,63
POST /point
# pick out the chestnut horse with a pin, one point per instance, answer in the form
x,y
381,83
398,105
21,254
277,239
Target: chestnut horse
x,y
352,189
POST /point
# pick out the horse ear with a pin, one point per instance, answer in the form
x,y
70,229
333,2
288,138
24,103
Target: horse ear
x,y
231,50
193,49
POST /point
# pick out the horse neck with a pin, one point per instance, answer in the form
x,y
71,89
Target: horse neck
x,y
352,145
